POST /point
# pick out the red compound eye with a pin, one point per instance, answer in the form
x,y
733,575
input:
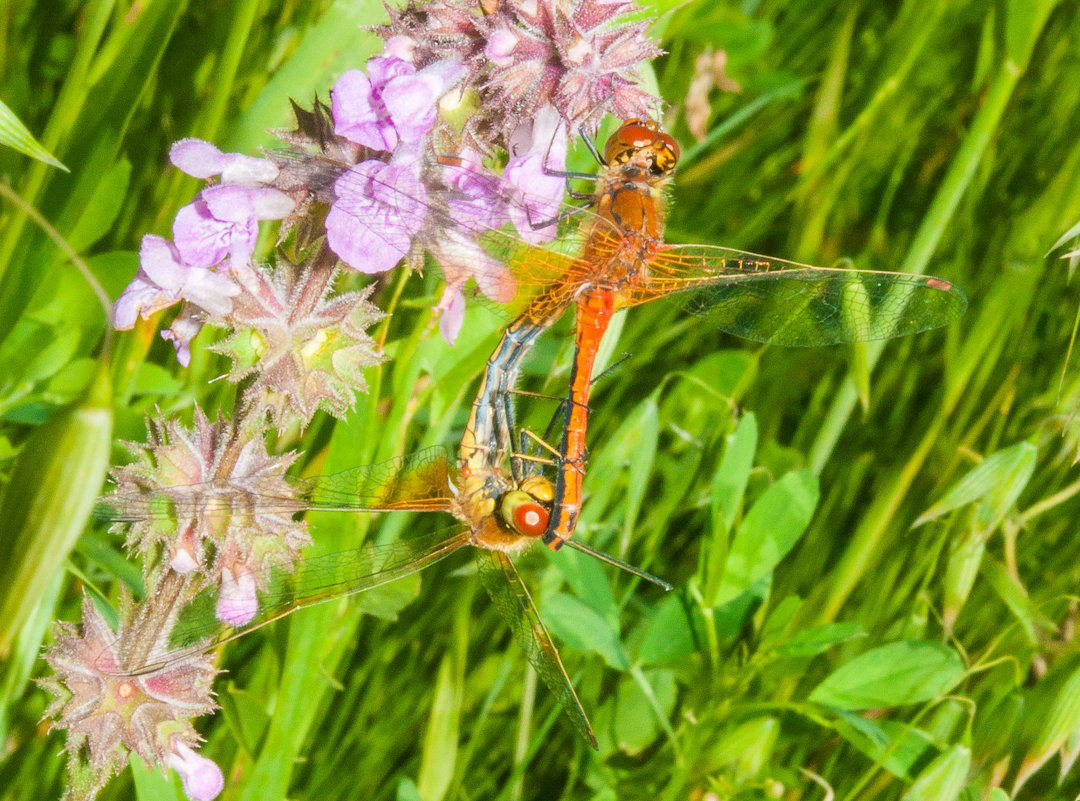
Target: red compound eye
x,y
524,514
631,137
531,519
636,135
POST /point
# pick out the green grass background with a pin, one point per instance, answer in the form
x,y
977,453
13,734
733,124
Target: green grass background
x,y
778,489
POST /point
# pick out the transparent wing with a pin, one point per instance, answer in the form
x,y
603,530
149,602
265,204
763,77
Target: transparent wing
x,y
516,607
419,482
785,303
281,592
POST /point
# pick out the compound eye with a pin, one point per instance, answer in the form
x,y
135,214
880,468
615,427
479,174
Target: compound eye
x,y
667,155
524,514
669,146
631,137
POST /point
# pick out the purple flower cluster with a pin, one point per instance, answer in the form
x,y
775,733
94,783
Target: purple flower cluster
x,y
385,207
213,236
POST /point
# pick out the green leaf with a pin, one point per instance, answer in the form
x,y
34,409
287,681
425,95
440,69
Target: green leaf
x,y
998,480
725,499
102,207
859,372
581,627
47,502
724,28
387,601
1014,597
769,531
153,379
407,790
150,783
1024,20
636,724
729,481
897,746
944,778
440,741
746,748
809,642
728,372
589,578
630,451
776,630
245,716
899,673
16,135
33,352
643,428
670,634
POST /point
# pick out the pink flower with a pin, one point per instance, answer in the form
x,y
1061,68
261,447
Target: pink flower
x,y
237,603
201,777
164,278
224,221
452,308
380,207
393,103
537,150
184,328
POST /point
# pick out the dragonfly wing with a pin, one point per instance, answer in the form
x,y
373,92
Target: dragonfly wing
x,y
785,303
418,482
515,605
281,592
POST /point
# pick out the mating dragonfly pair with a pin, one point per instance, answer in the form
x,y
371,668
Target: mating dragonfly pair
x,y
617,258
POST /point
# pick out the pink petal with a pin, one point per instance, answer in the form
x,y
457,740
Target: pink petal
x,y
379,208
453,314
500,45
383,69
358,114
139,297
400,47
538,149
239,204
247,170
197,158
160,264
237,603
201,777
202,239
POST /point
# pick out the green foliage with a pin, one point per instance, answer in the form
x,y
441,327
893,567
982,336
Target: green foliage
x,y
815,629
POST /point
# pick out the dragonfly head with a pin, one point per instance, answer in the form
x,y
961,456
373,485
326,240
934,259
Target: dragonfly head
x,y
527,509
643,141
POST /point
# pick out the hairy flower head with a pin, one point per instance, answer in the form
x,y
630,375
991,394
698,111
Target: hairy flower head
x,y
579,56
303,346
190,498
109,715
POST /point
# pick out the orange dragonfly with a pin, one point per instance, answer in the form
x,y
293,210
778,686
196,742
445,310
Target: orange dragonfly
x,y
617,258
500,517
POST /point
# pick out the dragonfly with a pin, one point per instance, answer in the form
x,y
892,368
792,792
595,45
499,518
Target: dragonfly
x,y
499,517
